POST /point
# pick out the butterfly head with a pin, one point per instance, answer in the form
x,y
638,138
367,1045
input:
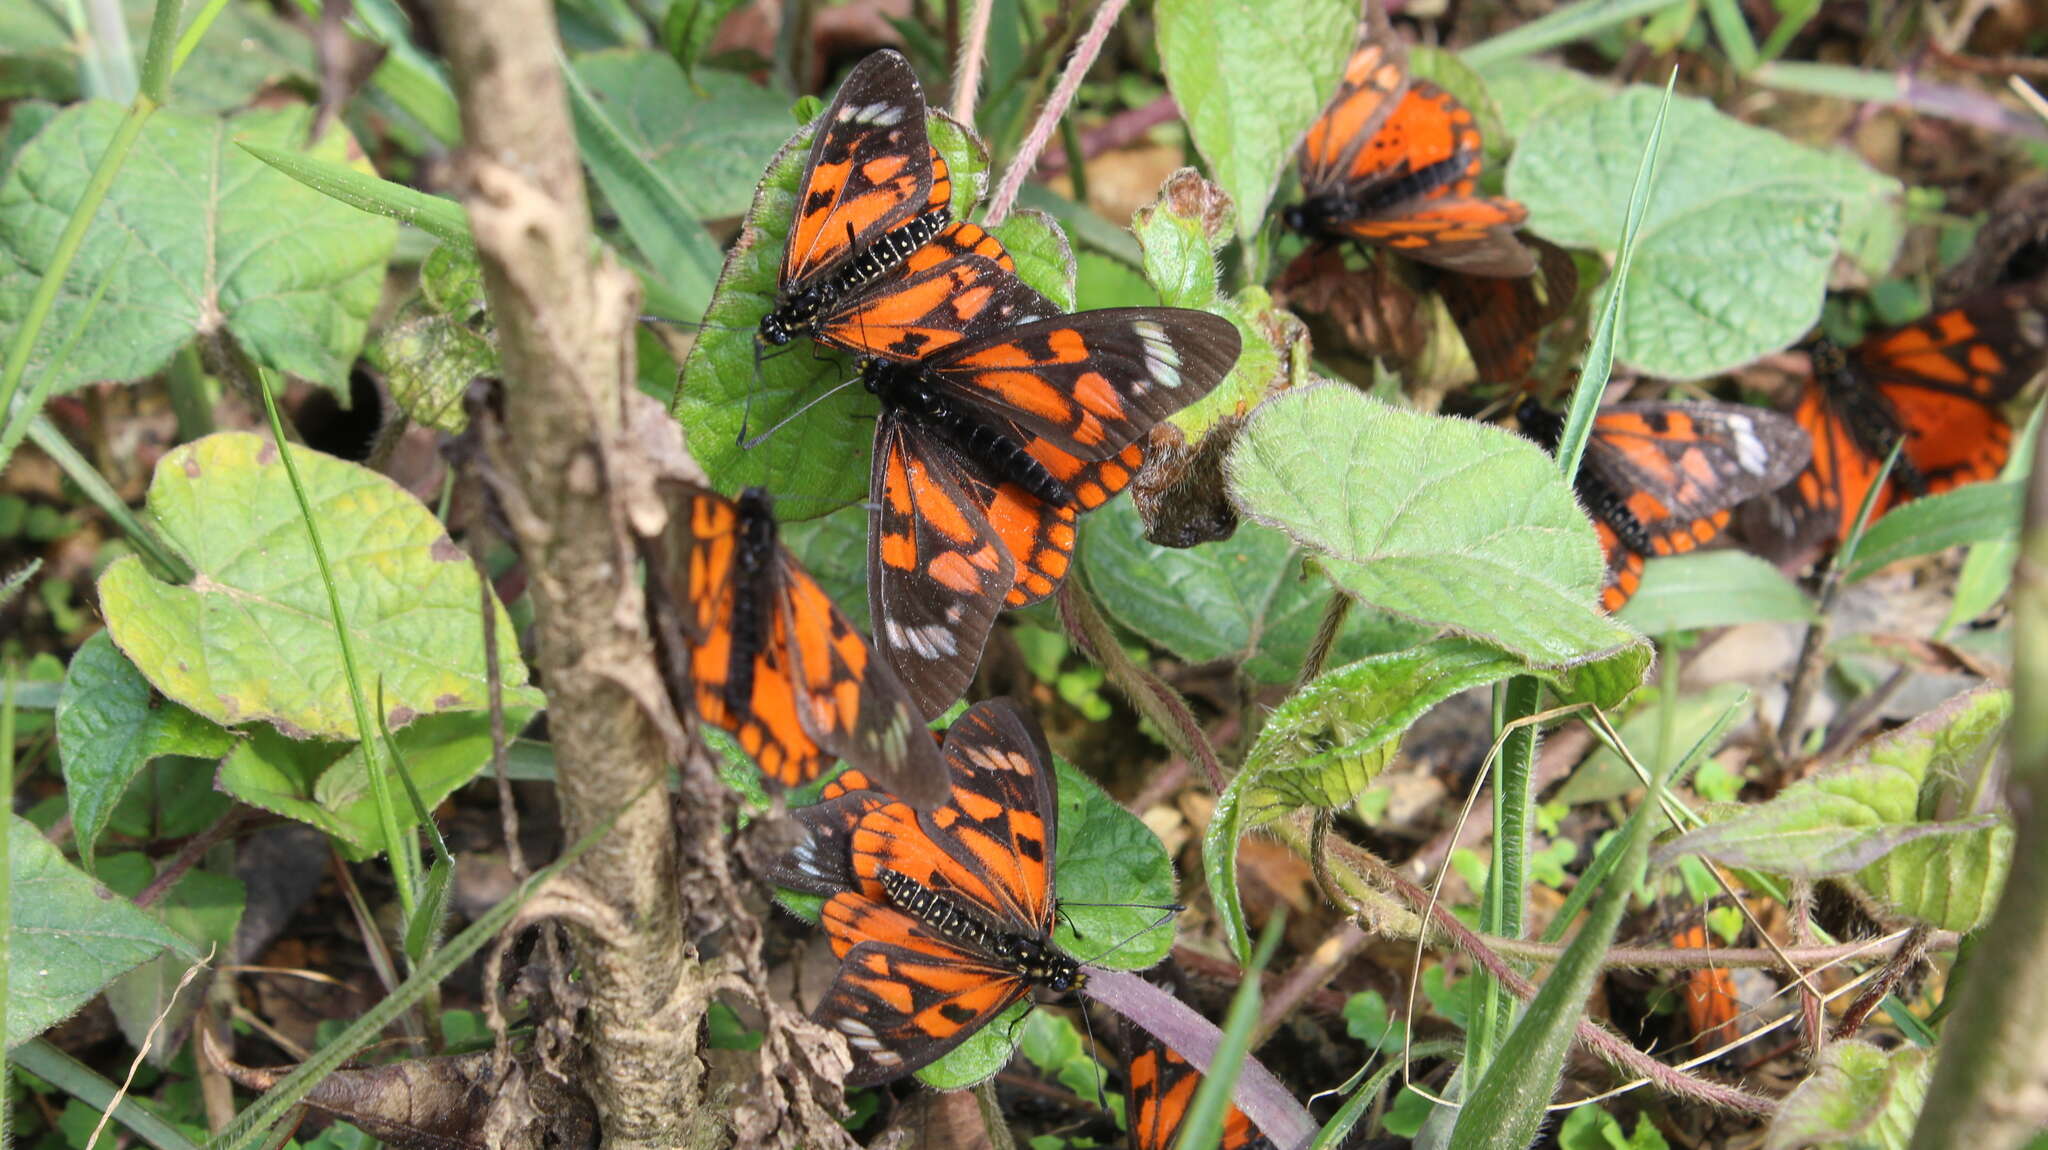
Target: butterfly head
x,y
1830,361
1316,215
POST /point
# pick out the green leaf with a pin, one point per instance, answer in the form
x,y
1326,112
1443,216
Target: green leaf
x,y
1443,521
67,936
818,462
1591,1128
327,785
1713,589
251,638
204,908
429,360
247,48
234,245
1526,91
650,205
1115,881
688,27
1250,76
1179,234
1742,229
109,726
1860,1098
1977,513
1871,818
1042,255
707,135
1505,1110
1242,600
1051,1043
1367,1019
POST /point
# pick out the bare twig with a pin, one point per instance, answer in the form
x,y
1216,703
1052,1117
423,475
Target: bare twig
x,y
1055,106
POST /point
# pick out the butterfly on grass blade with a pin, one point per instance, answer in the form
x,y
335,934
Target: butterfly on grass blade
x,y
1663,478
1394,162
1937,384
1163,1085
873,191
941,921
751,643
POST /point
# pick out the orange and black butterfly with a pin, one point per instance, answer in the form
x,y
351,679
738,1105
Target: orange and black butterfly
x,y
1711,1004
1663,478
1394,162
1937,384
751,642
941,921
873,191
1163,1084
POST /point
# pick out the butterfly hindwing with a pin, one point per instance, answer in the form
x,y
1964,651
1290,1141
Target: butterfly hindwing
x,y
1163,1086
956,288
937,574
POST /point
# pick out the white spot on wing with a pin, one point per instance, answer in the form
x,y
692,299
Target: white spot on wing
x,y
1750,453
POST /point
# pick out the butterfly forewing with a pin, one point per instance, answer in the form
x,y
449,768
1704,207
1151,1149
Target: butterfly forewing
x,y
870,169
1372,86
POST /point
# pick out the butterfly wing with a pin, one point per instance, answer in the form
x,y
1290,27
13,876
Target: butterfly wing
x,y
958,287
1374,79
991,848
1679,469
849,701
1502,318
937,574
905,994
1091,382
871,169
734,674
1163,1085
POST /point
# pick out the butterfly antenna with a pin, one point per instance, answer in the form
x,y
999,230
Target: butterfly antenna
x,y
1155,924
747,444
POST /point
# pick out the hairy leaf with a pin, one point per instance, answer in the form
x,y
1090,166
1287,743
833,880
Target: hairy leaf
x,y
1712,589
1860,1098
200,237
252,638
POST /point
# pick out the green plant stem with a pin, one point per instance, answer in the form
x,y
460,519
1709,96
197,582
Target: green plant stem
x,y
7,676
1501,912
1992,1049
187,381
80,1081
167,563
15,424
195,32
403,862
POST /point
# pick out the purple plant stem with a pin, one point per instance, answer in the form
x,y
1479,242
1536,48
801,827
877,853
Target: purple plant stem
x,y
1270,1105
1055,106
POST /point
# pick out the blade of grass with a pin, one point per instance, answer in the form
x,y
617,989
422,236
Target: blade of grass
x,y
265,1111
1561,26
80,1081
167,563
1506,1109
108,64
1507,888
441,218
674,243
14,424
1733,31
408,77
8,671
401,849
1792,19
1340,1125
1203,1129
426,921
10,586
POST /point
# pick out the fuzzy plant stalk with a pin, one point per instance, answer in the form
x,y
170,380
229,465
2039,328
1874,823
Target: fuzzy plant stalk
x,y
1988,1092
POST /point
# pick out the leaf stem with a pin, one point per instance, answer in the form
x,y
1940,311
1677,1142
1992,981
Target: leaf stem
x,y
395,845
1055,106
1147,692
